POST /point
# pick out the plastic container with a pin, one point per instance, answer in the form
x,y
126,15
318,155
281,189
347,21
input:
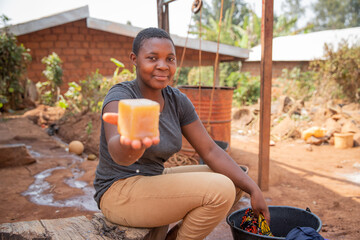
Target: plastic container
x,y
343,140
283,220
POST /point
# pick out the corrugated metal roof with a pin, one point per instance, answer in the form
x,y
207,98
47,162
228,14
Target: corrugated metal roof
x,y
306,47
122,29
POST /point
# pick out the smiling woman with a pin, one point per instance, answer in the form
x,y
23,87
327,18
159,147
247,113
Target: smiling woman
x,y
155,68
132,186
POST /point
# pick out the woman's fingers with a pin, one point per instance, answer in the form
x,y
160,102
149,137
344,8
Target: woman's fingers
x,y
136,144
125,141
111,118
147,142
155,140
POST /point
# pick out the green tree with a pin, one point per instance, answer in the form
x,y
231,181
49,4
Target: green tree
x,y
13,62
292,8
336,14
241,28
212,11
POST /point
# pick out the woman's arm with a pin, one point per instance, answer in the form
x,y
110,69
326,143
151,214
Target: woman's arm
x,y
123,150
219,161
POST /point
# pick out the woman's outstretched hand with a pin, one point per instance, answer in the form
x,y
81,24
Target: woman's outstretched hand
x,y
146,142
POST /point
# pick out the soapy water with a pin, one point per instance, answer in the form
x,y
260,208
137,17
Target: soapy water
x,y
36,191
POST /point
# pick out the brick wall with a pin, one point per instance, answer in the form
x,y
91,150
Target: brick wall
x,y
81,49
277,67
84,50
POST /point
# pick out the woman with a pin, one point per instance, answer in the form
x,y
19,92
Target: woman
x,y
132,186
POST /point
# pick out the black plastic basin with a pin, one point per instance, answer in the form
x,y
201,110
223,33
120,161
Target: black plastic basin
x,y
283,220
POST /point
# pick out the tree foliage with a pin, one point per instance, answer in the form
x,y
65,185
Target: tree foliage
x,y
13,61
336,14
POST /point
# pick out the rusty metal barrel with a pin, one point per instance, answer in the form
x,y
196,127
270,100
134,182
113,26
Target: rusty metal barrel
x,y
216,117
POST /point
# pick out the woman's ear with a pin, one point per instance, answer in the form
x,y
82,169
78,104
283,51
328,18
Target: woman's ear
x,y
133,58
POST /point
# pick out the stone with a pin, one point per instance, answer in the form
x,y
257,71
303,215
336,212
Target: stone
x,y
314,140
349,126
351,107
285,104
332,126
336,117
284,128
244,116
91,157
12,155
357,139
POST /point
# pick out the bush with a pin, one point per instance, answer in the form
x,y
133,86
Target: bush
x,y
339,73
49,90
89,94
13,62
247,87
297,84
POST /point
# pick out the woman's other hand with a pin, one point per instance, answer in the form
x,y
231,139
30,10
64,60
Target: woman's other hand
x,y
259,205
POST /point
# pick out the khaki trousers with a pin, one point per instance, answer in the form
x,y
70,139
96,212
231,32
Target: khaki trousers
x,y
193,193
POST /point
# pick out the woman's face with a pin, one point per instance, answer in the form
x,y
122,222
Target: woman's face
x,y
155,62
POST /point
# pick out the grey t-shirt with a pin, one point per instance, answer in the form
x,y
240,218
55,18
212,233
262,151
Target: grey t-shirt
x,y
178,111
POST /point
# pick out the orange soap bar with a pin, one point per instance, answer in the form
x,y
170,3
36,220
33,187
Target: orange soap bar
x,y
138,118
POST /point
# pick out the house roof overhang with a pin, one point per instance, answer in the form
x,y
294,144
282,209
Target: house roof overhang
x,y
226,52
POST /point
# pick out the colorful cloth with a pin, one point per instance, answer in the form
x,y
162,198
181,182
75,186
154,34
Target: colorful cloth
x,y
255,225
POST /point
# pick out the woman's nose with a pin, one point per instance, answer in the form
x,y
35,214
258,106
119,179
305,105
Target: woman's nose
x,y
162,65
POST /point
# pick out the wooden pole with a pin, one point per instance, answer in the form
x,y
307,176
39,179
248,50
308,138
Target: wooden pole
x,y
165,19
163,15
159,13
265,92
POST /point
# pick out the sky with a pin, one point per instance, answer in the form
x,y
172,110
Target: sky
x,y
141,13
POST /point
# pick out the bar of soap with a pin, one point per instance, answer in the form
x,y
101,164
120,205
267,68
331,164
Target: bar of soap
x,y
138,118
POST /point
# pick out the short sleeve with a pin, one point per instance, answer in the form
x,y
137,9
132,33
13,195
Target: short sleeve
x,y
120,91
187,112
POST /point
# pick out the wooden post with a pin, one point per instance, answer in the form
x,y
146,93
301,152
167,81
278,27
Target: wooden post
x,y
163,15
265,92
165,19
159,13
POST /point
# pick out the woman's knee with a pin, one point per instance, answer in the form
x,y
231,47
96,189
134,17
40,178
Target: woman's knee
x,y
221,189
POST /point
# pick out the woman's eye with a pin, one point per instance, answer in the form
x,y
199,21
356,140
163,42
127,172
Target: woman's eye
x,y
172,59
152,58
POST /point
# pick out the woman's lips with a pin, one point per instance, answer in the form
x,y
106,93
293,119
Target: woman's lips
x,y
161,78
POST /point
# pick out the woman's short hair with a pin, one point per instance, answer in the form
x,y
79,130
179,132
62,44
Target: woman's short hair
x,y
148,33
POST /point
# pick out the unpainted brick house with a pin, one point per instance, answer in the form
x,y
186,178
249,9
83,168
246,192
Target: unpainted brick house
x,y
86,44
298,50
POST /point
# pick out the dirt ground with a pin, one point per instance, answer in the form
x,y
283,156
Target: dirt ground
x,y
325,179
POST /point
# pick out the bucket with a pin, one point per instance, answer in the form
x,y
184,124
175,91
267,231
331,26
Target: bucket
x,y
283,220
219,125
343,140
